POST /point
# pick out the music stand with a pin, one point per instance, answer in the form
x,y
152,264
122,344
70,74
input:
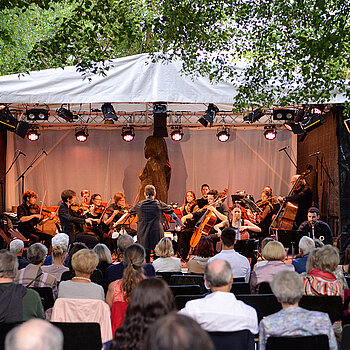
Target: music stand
x,y
127,219
289,239
246,247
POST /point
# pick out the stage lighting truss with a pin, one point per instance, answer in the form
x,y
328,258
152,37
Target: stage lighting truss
x,y
81,134
270,132
209,115
33,133
37,114
109,112
223,134
176,133
128,133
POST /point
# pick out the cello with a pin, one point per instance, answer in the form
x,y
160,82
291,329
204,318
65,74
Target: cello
x,y
207,221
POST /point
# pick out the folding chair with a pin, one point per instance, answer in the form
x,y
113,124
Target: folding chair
x,y
239,340
186,290
312,342
46,296
181,300
177,280
167,275
240,288
345,339
264,288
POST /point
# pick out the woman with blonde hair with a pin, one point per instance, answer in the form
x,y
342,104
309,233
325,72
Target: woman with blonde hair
x,y
59,254
166,262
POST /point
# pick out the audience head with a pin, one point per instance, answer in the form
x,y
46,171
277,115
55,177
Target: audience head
x,y
84,262
265,241
311,263
16,247
59,254
274,251
75,247
177,332
306,244
228,237
36,253
35,334
8,264
327,258
218,273
123,242
204,248
103,253
150,191
164,248
150,300
61,239
287,287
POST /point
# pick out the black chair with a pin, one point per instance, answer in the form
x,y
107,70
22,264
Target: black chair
x,y
186,290
264,288
167,275
78,335
312,342
264,304
46,296
181,300
4,329
345,338
177,280
240,288
332,305
238,279
240,340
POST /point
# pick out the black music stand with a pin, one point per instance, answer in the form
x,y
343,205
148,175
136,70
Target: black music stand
x,y
290,239
246,247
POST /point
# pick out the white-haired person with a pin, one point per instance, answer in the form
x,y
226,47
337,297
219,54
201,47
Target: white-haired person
x,y
61,239
166,262
306,244
274,253
293,320
17,247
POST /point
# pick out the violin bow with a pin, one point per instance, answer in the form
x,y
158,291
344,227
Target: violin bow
x,y
42,203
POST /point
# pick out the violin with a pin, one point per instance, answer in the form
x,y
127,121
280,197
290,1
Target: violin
x,y
79,209
36,209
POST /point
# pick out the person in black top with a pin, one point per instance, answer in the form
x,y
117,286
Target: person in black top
x,y
29,216
315,228
264,219
202,202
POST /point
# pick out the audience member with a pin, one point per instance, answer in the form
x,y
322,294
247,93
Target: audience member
x,y
220,311
104,258
263,244
239,264
34,334
306,245
166,262
32,275
177,332
274,253
204,251
60,239
150,300
17,247
115,272
293,320
84,263
59,254
17,303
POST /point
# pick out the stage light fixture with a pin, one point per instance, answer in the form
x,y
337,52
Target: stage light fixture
x,y
7,120
81,134
254,116
33,134
37,114
284,114
270,132
109,112
128,133
176,133
223,134
209,115
65,113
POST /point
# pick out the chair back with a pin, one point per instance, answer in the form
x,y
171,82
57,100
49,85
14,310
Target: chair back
x,y
181,300
80,335
177,280
4,329
186,290
264,288
167,275
312,342
46,296
240,288
345,339
240,340
238,279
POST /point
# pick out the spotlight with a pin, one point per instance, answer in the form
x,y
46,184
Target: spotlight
x,y
37,114
209,115
109,112
270,132
33,134
284,114
7,120
177,133
81,134
128,133
223,134
65,113
254,116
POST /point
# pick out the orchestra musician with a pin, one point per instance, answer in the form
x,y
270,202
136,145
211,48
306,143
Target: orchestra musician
x,y
203,201
184,236
28,214
264,219
85,197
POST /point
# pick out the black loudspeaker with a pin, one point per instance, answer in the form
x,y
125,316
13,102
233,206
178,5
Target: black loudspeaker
x,y
22,129
343,243
160,120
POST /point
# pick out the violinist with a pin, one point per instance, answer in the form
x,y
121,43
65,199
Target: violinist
x,y
265,218
85,197
29,216
70,222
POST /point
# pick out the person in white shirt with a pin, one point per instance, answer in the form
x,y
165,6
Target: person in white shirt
x,y
220,311
239,264
166,262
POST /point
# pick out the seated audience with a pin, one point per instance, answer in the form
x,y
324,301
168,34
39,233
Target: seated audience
x,y
220,311
115,271
60,239
306,245
293,320
263,244
239,264
166,262
321,280
17,247
177,332
32,275
34,334
274,253
150,300
59,254
84,263
204,251
17,303
104,257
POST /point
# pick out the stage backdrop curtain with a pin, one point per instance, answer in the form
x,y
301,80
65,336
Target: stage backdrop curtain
x,y
106,164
